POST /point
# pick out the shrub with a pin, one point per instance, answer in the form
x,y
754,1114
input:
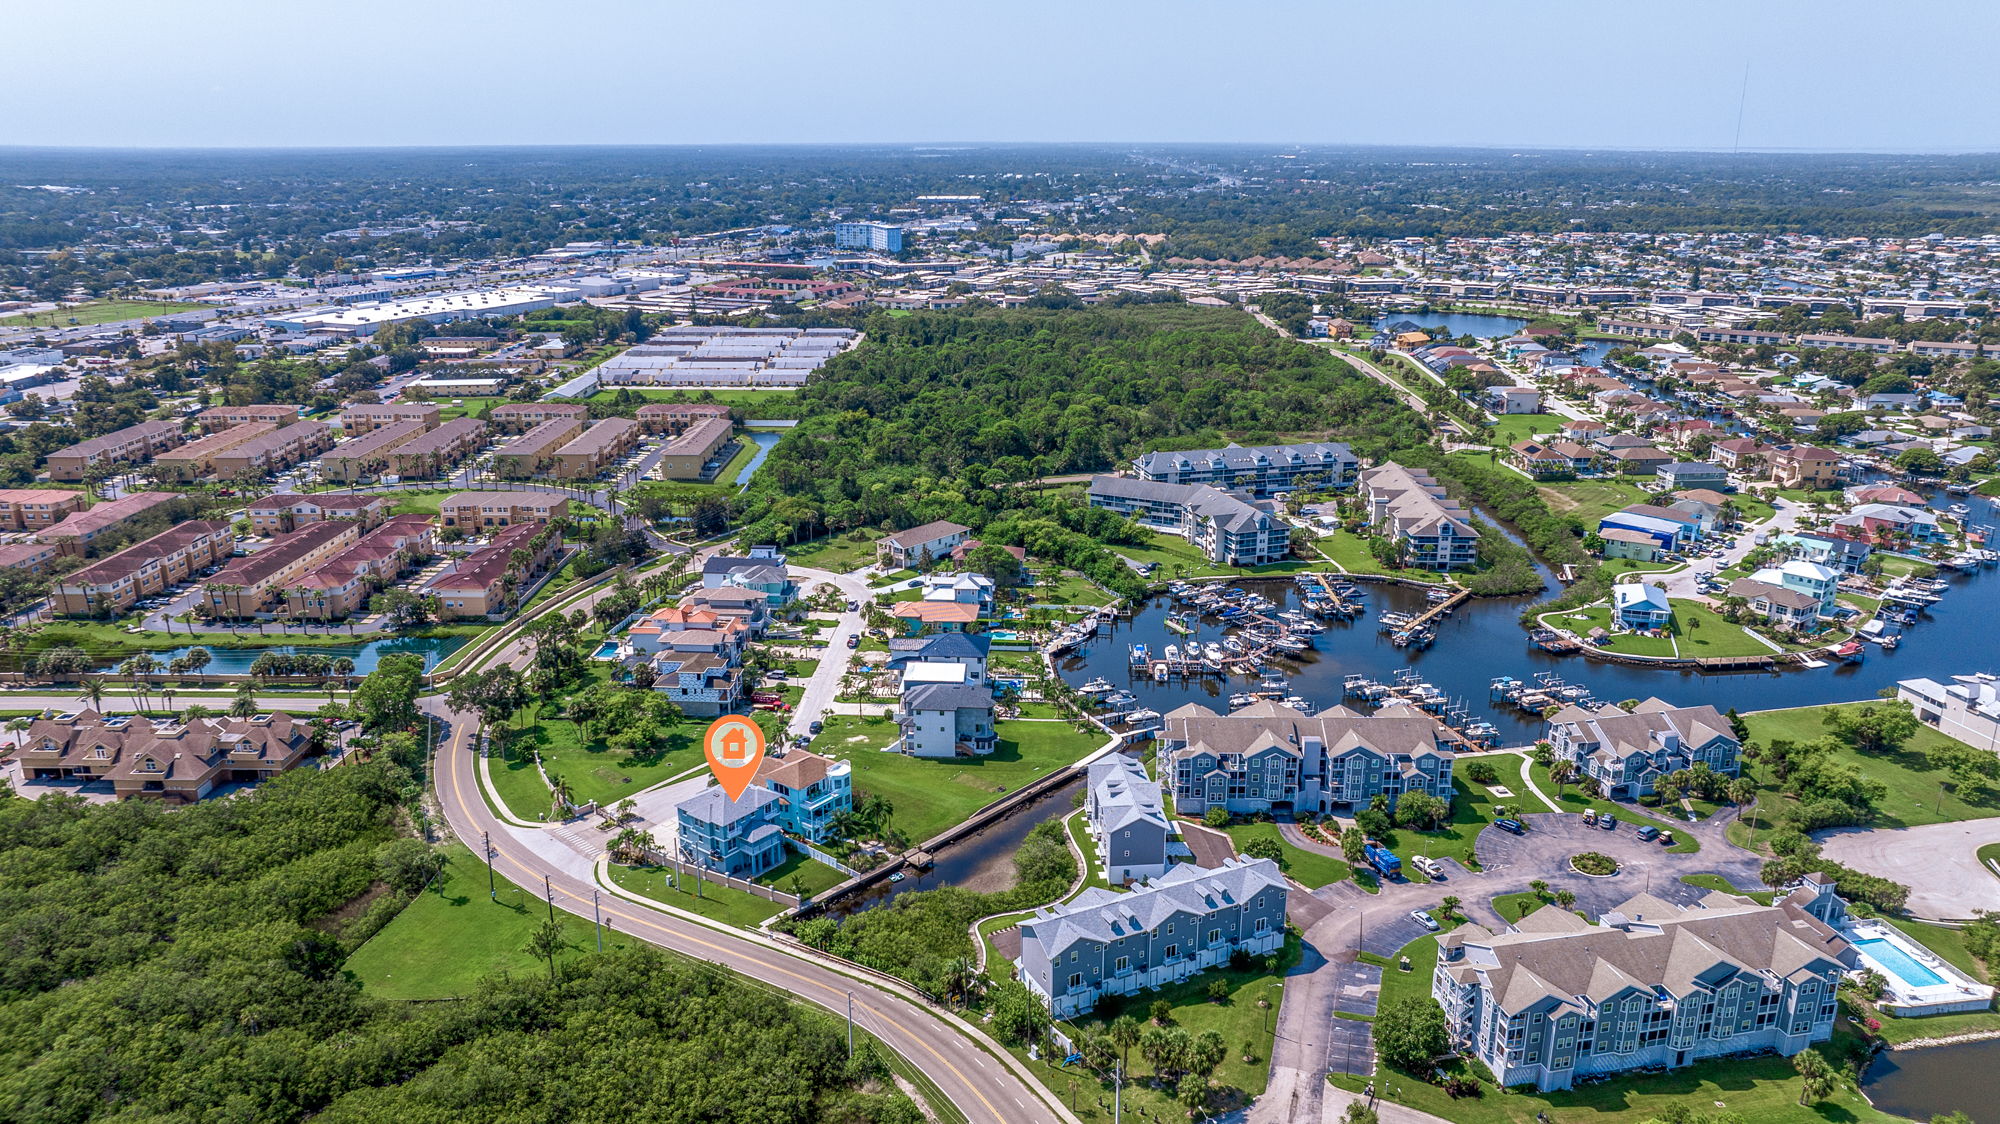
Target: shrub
x,y
1594,862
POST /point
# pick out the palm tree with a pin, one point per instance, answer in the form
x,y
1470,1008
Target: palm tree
x,y
17,727
92,692
1561,773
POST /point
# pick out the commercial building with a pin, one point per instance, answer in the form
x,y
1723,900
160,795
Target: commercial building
x,y
430,454
1177,925
196,459
534,452
1554,998
282,512
1128,821
37,509
520,417
500,509
370,453
676,417
740,838
811,790
113,584
218,418
438,308
1627,753
358,419
587,455
1410,508
1229,529
920,546
78,530
687,455
880,237
485,582
273,452
1267,757
168,759
1259,470
135,444
342,585
249,585
1967,708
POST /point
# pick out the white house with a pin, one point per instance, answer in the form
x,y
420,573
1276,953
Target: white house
x,y
1967,708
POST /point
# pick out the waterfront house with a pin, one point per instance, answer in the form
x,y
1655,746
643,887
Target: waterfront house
x,y
1832,551
1408,506
1692,474
1627,753
1638,546
1784,608
811,790
1640,605
946,720
1128,822
741,838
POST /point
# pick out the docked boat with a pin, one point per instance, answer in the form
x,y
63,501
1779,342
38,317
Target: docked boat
x,y
1850,652
1140,655
1176,624
1212,650
1097,686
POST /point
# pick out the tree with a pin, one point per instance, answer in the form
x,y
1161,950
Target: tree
x,y
1817,1078
1422,810
1218,990
1449,906
408,865
1192,1092
1217,816
1018,1017
1411,1033
1162,1012
1566,898
1354,846
1875,727
387,697
548,941
1358,1112
244,705
1265,847
1124,1033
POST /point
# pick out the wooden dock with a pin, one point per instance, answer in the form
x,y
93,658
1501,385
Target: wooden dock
x,y
1441,609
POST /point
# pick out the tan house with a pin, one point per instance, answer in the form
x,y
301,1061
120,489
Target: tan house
x,y
359,419
196,459
218,418
134,444
37,509
520,417
598,446
113,584
277,514
479,586
685,456
430,454
275,452
500,509
921,545
676,417
77,531
1805,466
534,452
248,585
166,759
369,454
342,585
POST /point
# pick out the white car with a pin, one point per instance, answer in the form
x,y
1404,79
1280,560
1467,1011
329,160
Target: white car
x,y
1426,920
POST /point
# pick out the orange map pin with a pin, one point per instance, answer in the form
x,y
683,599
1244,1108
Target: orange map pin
x,y
735,747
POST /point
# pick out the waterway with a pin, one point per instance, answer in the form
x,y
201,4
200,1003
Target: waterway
x,y
366,656
1484,639
982,861
1921,1084
764,442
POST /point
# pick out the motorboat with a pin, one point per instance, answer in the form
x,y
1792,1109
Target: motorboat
x,y
1212,650
1172,652
1097,686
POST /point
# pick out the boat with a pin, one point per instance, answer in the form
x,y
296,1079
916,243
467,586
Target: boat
x,y
1850,652
1176,624
1172,652
1097,686
1958,511
1212,650
1239,700
1291,643
1958,489
896,877
1139,654
1437,595
1234,647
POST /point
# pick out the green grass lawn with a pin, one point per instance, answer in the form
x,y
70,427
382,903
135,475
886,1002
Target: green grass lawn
x,y
839,553
419,503
1574,799
1351,553
816,877
1718,882
1078,826
1066,589
1471,811
1696,632
777,402
1752,509
930,795
1511,429
449,408
1177,558
1312,869
1615,566
1917,794
1237,1018
1581,621
444,942
1513,907
717,903
1590,500
594,770
98,312
1898,567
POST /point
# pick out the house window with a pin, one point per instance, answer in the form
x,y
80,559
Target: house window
x,y
1214,936
1172,951
1075,980
1124,963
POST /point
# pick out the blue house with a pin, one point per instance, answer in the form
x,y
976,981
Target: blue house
x,y
811,790
1639,605
741,838
1670,534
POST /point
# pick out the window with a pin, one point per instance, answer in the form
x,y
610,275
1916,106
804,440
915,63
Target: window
x,y
1172,951
1075,980
1122,965
1214,936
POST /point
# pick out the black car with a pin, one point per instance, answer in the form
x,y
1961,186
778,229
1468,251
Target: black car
x,y
1511,827
815,727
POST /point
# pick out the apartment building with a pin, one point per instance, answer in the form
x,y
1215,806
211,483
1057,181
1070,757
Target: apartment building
x,y
135,444
1804,466
674,418
37,509
1259,470
500,509
484,582
114,583
534,452
166,759
1268,757
358,419
1177,925
80,529
1408,506
811,790
196,459
1229,529
1967,708
1553,998
741,838
431,453
342,585
587,455
370,453
34,557
920,546
249,585
1128,822
686,455
218,418
284,511
274,452
1627,753
520,417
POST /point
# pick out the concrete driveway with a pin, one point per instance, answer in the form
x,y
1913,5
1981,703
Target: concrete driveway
x,y
1938,862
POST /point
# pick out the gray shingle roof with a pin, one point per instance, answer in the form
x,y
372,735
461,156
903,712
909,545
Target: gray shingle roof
x,y
1100,915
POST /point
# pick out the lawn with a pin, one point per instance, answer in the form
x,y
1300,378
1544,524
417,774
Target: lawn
x,y
814,876
447,940
1574,799
1581,621
419,503
594,770
1718,882
839,553
1590,500
1696,632
1471,811
1066,589
1237,1018
1616,566
1177,558
1917,794
449,408
99,312
1078,826
777,402
717,903
930,795
1511,429
1351,553
1307,867
1513,907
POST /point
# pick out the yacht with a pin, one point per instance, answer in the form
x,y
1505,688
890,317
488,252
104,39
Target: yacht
x,y
1173,653
1213,651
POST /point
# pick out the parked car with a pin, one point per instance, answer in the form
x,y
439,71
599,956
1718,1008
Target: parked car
x,y
1647,833
1666,839
1426,920
1590,818
1608,822
854,641
1430,866
1511,827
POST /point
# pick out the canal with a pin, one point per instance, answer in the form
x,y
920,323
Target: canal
x,y
366,656
982,861
1922,1084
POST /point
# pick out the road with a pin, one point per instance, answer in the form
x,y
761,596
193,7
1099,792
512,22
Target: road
x,y
1681,583
820,690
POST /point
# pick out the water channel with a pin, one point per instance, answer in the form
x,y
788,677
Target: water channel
x,y
982,861
237,661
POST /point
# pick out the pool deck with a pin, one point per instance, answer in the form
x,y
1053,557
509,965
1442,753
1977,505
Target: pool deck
x,y
1908,998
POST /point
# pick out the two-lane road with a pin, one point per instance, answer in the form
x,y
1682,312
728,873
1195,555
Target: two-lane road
x,y
975,1080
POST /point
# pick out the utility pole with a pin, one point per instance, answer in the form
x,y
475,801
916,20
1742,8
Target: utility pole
x,y
549,895
486,844
850,1026
1118,1092
599,913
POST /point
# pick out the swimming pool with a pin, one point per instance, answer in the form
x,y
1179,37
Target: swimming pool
x,y
1901,964
605,651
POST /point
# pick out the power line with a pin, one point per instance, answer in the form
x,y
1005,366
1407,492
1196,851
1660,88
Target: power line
x,y
1742,98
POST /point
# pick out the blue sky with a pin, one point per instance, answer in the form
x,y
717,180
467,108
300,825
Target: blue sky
x,y
1833,75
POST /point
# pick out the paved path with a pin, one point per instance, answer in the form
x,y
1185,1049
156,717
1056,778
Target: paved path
x,y
1938,862
1681,582
817,700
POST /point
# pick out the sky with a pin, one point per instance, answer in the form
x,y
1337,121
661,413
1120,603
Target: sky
x,y
1830,75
